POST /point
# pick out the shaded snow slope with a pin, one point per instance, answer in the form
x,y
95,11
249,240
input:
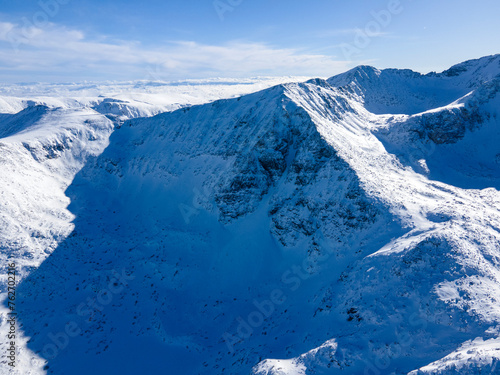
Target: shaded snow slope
x,y
272,193
47,134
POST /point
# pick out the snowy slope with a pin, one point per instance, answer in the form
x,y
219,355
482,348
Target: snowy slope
x,y
267,150
397,91
345,226
42,150
426,292
48,133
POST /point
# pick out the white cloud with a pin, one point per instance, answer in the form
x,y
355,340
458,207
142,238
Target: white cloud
x,y
54,49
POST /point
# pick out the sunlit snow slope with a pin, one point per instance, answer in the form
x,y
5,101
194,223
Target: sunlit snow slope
x,y
346,226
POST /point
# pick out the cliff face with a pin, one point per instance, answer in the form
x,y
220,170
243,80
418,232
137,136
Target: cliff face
x,y
320,223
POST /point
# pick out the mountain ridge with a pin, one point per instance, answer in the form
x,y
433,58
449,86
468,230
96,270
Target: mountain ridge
x,y
384,259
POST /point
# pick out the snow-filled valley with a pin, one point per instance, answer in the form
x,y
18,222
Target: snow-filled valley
x,y
340,226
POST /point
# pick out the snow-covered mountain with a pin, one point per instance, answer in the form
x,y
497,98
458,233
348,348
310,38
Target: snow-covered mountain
x,y
47,134
340,226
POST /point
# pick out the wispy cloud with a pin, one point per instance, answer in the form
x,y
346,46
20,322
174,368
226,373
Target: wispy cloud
x,y
32,51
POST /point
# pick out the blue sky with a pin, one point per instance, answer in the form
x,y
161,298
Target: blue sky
x,y
78,40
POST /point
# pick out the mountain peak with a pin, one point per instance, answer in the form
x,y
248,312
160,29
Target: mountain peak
x,y
490,64
332,223
403,91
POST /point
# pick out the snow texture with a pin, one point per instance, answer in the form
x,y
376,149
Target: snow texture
x,y
340,226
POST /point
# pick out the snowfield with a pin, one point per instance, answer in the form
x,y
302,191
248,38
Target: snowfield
x,y
340,226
